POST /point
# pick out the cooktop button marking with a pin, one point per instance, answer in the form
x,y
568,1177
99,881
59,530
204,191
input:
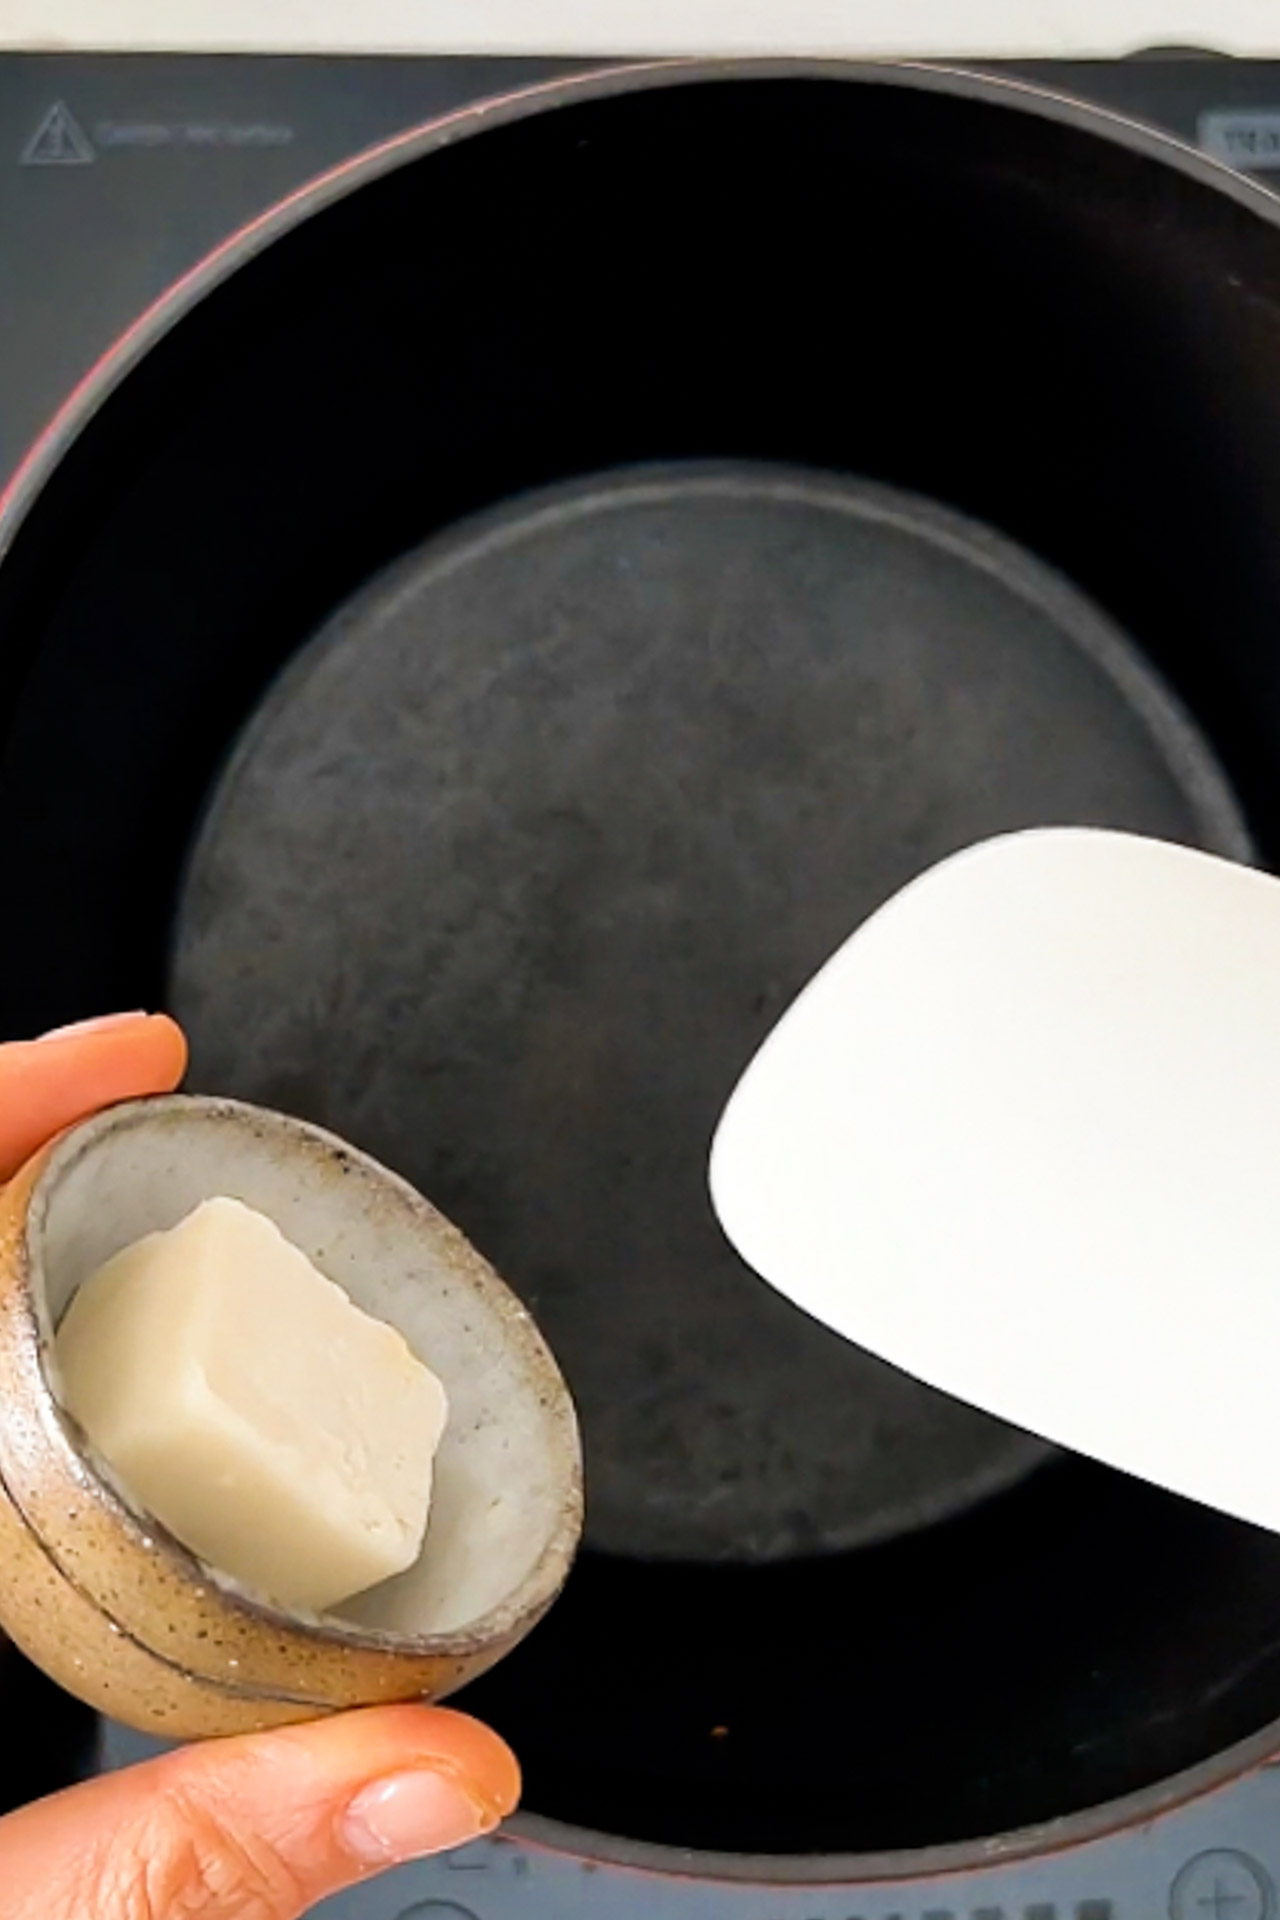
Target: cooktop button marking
x,y
1222,1885
436,1910
1248,140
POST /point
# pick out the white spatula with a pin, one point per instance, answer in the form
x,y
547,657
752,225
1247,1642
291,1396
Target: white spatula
x,y
1021,1138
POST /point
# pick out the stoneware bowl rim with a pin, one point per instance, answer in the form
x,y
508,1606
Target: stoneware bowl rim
x,y
505,1621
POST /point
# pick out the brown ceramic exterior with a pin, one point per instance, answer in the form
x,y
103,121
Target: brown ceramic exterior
x,y
122,1616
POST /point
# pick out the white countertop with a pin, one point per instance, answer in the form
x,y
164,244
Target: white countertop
x,y
857,28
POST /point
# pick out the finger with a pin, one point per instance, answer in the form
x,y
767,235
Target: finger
x,y
48,1084
260,1827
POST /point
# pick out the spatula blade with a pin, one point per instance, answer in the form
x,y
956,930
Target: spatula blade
x,y
1021,1138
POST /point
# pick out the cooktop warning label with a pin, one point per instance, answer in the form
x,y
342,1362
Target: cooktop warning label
x,y
59,141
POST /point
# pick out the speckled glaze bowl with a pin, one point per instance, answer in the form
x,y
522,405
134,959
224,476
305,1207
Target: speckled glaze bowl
x,y
118,1612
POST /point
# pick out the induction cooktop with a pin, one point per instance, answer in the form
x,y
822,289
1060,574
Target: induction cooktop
x,y
117,174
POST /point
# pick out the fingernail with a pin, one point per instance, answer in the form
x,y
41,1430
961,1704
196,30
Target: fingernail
x,y
412,1814
103,1024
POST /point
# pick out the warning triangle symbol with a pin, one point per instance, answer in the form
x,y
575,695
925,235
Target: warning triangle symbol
x,y
59,141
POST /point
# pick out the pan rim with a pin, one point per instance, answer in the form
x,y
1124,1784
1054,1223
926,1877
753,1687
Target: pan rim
x,y
38,466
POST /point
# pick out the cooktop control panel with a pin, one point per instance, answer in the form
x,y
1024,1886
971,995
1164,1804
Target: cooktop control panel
x,y
1216,1859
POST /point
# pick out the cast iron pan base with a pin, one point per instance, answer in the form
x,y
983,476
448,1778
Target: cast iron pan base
x,y
520,859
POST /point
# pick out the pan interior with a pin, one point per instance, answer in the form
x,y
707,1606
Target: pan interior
x,y
521,858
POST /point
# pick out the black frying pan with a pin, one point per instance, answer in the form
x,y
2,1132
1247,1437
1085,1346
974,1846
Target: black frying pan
x,y
712,494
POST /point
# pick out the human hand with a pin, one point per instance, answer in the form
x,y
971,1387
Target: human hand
x,y
262,1826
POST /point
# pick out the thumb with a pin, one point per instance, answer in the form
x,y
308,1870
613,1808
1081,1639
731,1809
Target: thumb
x,y
259,1827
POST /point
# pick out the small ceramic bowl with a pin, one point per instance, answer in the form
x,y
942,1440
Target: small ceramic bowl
x,y
115,1609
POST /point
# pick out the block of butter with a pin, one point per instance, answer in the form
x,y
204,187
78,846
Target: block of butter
x,y
279,1432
